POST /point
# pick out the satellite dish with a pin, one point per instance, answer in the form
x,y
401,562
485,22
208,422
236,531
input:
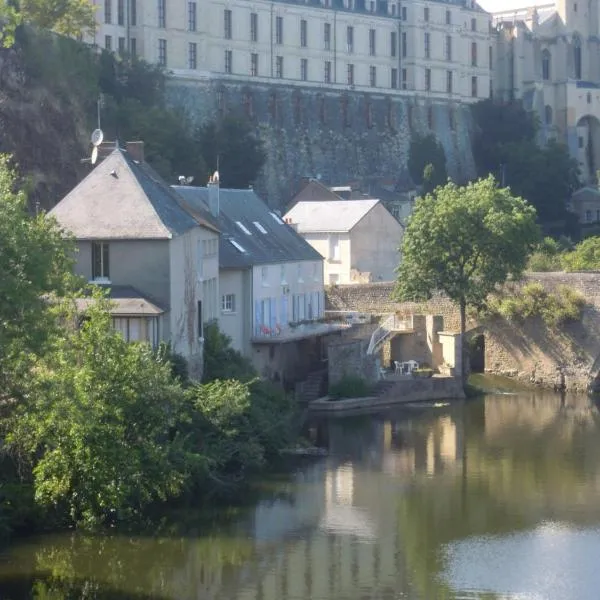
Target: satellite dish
x,y
189,179
94,156
215,177
97,137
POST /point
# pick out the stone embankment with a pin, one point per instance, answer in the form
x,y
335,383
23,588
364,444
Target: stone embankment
x,y
566,357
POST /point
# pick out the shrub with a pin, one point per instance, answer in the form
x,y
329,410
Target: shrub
x,y
584,257
350,386
221,361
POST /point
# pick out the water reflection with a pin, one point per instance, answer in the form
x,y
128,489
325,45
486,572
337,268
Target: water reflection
x,y
490,499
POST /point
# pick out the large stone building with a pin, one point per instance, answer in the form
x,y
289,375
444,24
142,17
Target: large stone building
x,y
548,58
436,48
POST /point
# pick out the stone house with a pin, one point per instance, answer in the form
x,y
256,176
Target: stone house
x,y
135,237
585,203
270,282
359,238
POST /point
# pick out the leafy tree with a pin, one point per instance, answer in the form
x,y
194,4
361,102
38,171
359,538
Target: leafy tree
x,y
233,146
35,260
427,162
546,256
584,257
66,17
464,242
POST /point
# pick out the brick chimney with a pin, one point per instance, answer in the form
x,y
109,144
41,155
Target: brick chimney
x,y
135,150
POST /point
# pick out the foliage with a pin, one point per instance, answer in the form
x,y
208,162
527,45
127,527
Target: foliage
x,y
177,364
533,300
35,260
66,17
546,256
427,162
221,361
505,144
584,257
423,372
464,242
350,386
231,147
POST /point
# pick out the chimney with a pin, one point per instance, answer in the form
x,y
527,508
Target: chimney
x,y
135,150
213,194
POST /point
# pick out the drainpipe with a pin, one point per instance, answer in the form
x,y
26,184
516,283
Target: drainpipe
x,y
334,45
271,40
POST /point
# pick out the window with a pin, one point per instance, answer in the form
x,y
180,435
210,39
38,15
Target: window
x,y
133,47
404,13
192,12
264,276
327,75
108,42
546,64
120,12
199,317
394,81
350,38
448,18
238,246
426,13
334,247
393,43
334,278
192,55
350,74
228,61
227,17
303,33
373,76
404,78
279,30
491,58
228,303
108,11
428,80
279,67
427,45
303,69
327,36
404,44
577,57
243,227
473,54
474,86
254,65
473,24
254,27
448,47
209,247
372,42
162,14
449,82
100,261
588,216
121,46
133,9
548,114
162,53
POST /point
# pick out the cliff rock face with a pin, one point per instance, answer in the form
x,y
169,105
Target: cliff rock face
x,y
339,136
41,125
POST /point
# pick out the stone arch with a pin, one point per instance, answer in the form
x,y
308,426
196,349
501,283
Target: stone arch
x,y
546,64
474,349
588,150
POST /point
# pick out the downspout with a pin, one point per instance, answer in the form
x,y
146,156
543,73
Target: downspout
x,y
334,45
128,27
271,40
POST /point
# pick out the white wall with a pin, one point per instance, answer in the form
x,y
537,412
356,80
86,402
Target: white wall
x,y
235,323
335,269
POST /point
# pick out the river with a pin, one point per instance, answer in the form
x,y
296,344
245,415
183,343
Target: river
x,y
494,498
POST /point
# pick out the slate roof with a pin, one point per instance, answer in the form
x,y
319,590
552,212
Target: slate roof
x,y
127,302
329,216
280,243
124,199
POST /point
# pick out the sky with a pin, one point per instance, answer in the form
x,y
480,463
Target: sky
x,y
497,5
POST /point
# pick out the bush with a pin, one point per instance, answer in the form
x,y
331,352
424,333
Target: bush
x,y
423,372
350,386
584,257
221,361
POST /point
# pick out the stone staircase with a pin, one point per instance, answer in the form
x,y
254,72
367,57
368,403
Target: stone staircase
x,y
312,387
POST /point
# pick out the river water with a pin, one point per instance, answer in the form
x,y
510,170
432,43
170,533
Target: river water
x,y
495,498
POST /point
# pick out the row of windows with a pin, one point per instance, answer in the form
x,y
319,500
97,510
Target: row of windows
x,y
121,45
108,12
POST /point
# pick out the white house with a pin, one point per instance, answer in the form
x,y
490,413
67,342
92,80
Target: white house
x,y
359,238
136,239
271,282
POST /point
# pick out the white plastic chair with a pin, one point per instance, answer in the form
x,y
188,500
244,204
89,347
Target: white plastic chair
x,y
397,367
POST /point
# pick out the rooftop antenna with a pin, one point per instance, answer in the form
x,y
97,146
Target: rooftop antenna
x,y
97,136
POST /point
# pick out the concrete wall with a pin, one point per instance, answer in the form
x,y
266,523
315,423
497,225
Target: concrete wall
x,y
374,244
237,323
528,351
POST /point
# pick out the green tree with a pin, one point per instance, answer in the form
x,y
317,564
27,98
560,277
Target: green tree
x,y
234,147
66,17
35,261
584,257
464,242
427,162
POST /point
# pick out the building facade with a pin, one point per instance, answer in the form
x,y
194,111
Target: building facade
x,y
547,58
436,48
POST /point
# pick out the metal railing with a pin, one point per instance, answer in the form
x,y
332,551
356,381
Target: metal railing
x,y
386,328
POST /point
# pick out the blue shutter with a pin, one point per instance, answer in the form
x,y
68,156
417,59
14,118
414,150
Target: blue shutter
x,y
273,314
257,313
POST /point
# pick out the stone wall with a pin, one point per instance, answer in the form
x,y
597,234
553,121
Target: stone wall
x,y
530,351
338,136
350,359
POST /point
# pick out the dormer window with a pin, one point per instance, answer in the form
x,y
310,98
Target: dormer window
x,y
100,262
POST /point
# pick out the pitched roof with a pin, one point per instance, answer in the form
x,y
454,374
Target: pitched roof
x,y
126,302
123,199
335,215
269,239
